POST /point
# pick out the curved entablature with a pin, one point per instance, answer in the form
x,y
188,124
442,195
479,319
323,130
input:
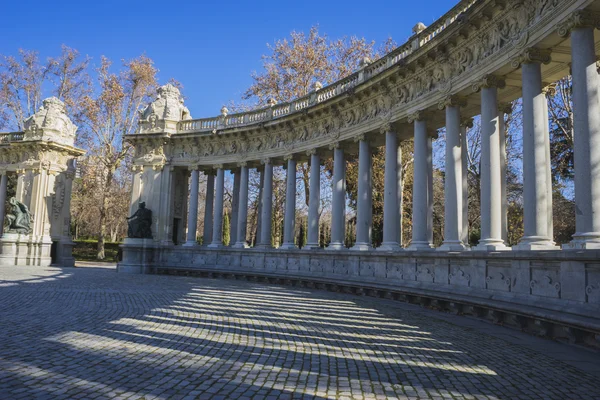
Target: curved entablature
x,y
477,43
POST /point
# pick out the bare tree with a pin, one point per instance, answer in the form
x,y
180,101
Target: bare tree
x,y
108,117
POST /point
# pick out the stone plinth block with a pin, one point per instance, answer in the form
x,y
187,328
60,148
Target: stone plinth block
x,y
22,250
138,256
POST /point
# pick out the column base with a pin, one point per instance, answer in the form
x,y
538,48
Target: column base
x,y
288,246
312,246
535,243
215,245
240,245
420,246
389,247
361,247
491,245
263,246
190,244
584,241
455,245
335,246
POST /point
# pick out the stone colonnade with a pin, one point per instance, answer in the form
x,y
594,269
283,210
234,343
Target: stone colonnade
x,y
536,173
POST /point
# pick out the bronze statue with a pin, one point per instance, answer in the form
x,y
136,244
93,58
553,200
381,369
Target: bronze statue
x,y
140,223
19,220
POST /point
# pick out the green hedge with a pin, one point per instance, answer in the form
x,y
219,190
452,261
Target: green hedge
x,y
86,250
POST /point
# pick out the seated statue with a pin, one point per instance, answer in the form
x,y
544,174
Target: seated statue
x,y
19,219
140,223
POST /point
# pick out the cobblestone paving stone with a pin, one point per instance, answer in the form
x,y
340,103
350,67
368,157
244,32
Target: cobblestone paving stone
x,y
89,333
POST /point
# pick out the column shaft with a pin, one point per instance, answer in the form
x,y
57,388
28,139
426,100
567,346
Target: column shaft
x,y
313,202
192,210
421,226
266,206
535,122
400,186
391,208
242,222
586,110
503,177
548,169
208,209
235,203
338,203
491,175
3,184
453,183
217,240
465,185
364,215
290,207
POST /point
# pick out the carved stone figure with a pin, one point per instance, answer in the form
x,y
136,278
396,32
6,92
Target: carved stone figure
x,y
140,223
19,220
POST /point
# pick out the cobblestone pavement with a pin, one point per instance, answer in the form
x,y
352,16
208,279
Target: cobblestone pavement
x,y
91,333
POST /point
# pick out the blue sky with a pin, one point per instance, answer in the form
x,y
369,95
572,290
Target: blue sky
x,y
210,47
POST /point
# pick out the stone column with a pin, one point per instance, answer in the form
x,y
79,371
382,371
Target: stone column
x,y
364,214
3,183
400,186
290,206
550,90
464,154
338,203
193,210
242,215
491,203
235,203
208,207
217,238
421,226
503,109
535,129
586,110
391,207
314,200
453,180
266,206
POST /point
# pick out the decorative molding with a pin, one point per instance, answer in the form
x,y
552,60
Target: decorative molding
x,y
489,81
385,128
579,19
452,101
415,116
505,108
467,123
532,55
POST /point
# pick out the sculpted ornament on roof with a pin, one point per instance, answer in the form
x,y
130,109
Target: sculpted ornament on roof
x,y
168,106
51,123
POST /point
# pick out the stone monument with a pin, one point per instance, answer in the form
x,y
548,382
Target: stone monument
x,y
43,157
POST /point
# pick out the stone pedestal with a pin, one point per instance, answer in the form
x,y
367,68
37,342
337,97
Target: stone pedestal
x,y
138,256
19,249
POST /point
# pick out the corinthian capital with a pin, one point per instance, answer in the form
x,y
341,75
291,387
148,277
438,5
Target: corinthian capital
x,y
579,19
505,108
385,128
416,116
550,90
489,81
452,101
532,55
467,123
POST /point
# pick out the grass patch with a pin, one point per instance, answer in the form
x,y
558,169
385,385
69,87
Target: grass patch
x,y
86,250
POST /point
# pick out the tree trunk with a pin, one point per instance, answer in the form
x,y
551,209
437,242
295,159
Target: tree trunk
x,y
103,207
